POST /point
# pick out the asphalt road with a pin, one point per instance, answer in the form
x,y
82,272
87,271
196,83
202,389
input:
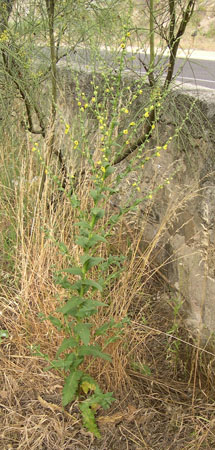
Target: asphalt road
x,y
197,72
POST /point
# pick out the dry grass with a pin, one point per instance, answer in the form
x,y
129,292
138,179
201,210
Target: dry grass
x,y
160,409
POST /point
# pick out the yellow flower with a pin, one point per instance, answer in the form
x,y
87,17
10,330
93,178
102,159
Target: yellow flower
x,y
46,171
150,196
127,142
132,124
128,34
125,131
98,163
82,109
153,126
134,184
67,128
140,91
93,99
165,147
158,104
107,90
158,147
138,188
76,143
125,110
103,169
157,154
86,105
101,127
79,103
146,114
122,45
147,158
33,149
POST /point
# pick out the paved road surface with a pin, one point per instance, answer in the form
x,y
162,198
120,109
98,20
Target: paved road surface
x,y
192,70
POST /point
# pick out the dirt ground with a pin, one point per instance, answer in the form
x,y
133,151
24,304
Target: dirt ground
x,y
165,399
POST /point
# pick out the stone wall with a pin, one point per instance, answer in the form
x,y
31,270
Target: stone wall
x,y
177,224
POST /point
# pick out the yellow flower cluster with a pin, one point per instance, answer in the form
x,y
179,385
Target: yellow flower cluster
x,y
67,128
4,36
35,147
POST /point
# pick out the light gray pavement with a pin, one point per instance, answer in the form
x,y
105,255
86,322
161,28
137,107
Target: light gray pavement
x,y
193,67
196,67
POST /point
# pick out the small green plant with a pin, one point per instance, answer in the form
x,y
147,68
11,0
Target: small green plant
x,y
141,367
73,318
3,334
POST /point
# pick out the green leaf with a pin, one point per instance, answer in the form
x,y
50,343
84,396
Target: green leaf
x,y
114,219
109,170
63,248
92,284
83,331
95,239
71,386
74,271
71,362
96,195
82,241
107,326
89,419
71,304
56,322
74,361
74,201
86,284
88,383
98,212
90,261
86,242
93,351
89,308
3,334
83,224
63,282
104,400
67,343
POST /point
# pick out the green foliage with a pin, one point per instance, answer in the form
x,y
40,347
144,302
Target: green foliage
x,y
72,318
3,334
